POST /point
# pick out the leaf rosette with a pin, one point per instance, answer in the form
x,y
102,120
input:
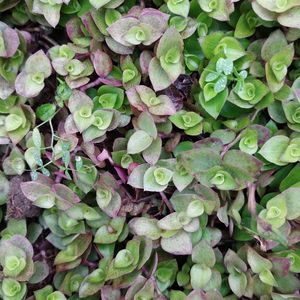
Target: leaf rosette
x,y
143,27
30,82
285,12
16,258
144,99
292,113
50,9
281,150
166,67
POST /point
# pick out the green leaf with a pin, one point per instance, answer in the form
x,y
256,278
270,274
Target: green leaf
x,y
203,254
257,263
178,244
145,227
238,283
36,138
138,142
156,179
273,149
146,123
214,105
200,276
224,66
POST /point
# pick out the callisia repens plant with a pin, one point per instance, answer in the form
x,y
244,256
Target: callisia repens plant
x,y
149,150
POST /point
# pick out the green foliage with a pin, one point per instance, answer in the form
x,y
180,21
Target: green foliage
x,y
149,149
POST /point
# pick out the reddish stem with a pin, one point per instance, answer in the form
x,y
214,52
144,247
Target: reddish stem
x,y
251,199
166,201
100,80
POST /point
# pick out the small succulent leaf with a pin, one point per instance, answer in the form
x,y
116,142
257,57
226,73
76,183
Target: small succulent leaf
x,y
257,263
146,123
153,152
145,227
200,276
136,178
159,78
203,254
273,149
156,179
102,63
138,142
178,244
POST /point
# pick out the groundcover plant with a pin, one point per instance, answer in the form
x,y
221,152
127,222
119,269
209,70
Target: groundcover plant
x,y
149,149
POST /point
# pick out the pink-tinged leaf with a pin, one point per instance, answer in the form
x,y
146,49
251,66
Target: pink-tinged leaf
x,y
65,197
70,126
44,179
104,155
135,11
281,265
145,59
92,152
108,293
158,77
198,295
165,108
27,36
135,100
157,19
112,209
93,30
52,14
118,29
73,28
26,87
58,65
38,63
77,83
102,63
136,177
118,47
77,100
178,244
6,88
12,42
246,162
33,190
263,133
290,18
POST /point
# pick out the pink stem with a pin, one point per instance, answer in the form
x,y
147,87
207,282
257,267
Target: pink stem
x,y
100,80
59,176
166,201
251,199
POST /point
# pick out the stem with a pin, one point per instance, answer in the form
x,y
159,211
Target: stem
x,y
91,84
254,115
41,124
146,198
59,176
251,199
166,201
227,147
192,107
52,135
100,80
48,39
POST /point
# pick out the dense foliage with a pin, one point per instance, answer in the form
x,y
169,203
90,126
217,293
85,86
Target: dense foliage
x,y
149,149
